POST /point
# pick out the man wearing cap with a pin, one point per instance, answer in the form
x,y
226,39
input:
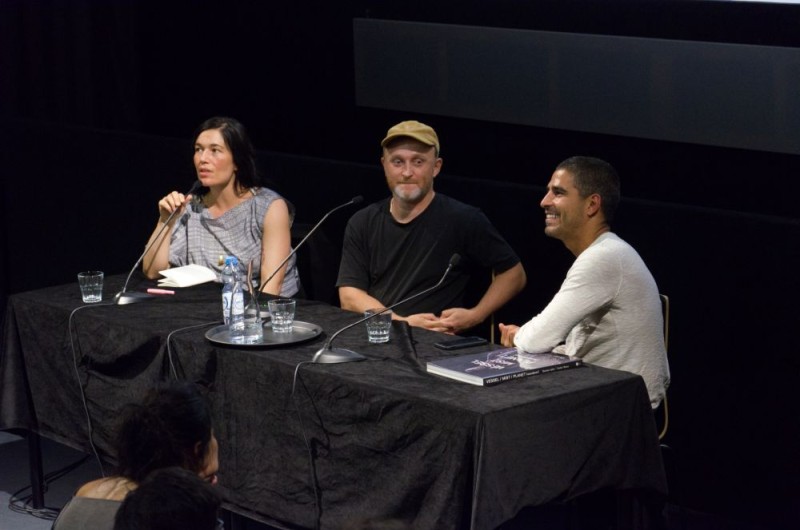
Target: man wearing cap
x,y
398,247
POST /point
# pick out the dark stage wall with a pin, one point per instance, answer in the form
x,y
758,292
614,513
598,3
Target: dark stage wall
x,y
100,99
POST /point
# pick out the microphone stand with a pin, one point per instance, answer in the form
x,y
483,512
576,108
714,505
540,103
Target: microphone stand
x,y
125,298
328,355
355,200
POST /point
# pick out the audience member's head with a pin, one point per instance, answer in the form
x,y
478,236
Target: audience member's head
x,y
171,427
169,499
593,175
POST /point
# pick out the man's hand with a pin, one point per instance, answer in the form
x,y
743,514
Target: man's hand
x,y
458,319
425,320
507,333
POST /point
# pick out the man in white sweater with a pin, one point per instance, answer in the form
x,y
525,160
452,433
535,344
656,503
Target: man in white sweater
x,y
608,310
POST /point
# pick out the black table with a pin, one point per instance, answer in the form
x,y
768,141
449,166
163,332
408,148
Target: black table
x,y
385,439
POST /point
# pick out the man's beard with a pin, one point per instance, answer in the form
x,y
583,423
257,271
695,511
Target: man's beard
x,y
411,196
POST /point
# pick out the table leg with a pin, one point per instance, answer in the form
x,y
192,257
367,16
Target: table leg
x,y
35,465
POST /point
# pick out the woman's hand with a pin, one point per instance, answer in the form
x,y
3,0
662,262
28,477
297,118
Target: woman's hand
x,y
170,203
157,258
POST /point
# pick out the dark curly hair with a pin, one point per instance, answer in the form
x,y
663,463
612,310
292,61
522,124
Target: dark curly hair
x,y
171,427
167,499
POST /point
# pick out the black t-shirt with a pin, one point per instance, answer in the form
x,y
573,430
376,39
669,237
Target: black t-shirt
x,y
391,261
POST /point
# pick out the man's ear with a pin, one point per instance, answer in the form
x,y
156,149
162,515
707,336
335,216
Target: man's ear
x,y
593,204
437,166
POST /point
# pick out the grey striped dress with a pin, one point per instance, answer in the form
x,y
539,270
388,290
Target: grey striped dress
x,y
204,240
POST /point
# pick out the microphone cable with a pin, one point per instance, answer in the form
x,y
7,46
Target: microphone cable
x,y
72,340
172,369
311,468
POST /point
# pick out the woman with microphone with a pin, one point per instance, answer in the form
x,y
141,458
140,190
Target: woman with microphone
x,y
230,215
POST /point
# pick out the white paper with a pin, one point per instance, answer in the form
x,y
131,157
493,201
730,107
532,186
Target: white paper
x,y
186,276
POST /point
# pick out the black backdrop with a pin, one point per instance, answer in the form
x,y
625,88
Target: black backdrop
x,y
100,98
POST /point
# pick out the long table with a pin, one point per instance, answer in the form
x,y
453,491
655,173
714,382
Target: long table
x,y
379,438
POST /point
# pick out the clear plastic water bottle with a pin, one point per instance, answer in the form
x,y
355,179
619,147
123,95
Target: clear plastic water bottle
x,y
228,278
236,324
236,309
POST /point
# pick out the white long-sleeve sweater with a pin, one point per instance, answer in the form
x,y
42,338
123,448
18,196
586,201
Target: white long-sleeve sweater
x,y
608,310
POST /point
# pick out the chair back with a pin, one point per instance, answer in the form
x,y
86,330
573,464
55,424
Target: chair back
x,y
665,406
491,322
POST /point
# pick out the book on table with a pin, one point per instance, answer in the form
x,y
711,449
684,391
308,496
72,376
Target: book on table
x,y
186,276
493,367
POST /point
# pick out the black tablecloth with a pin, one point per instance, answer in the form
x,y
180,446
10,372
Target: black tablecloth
x,y
386,439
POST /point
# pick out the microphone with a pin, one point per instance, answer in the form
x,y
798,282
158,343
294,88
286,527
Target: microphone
x,y
328,355
355,200
124,298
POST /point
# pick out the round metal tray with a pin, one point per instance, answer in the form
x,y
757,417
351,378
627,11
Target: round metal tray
x,y
301,332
